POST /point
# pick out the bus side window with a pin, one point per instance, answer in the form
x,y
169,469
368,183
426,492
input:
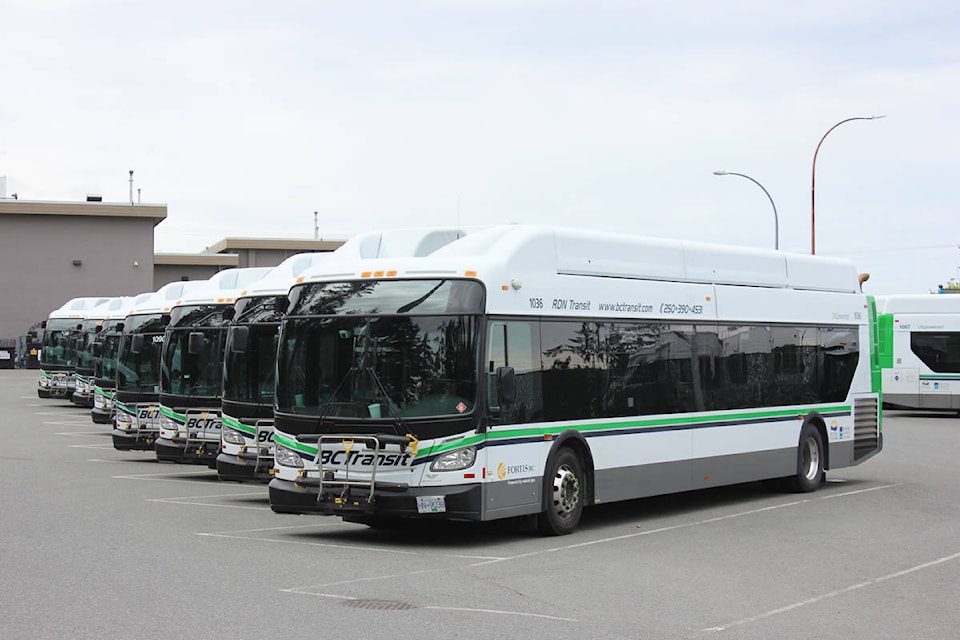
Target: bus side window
x,y
514,344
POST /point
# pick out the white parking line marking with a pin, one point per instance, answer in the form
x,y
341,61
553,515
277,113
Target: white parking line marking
x,y
833,594
85,434
154,476
697,523
206,504
499,612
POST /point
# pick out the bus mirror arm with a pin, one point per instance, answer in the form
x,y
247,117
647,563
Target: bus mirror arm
x,y
240,337
506,385
195,342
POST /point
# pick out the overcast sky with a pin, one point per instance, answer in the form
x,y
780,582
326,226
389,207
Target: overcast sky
x,y
246,117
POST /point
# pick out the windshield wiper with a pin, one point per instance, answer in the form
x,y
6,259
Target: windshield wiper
x,y
416,303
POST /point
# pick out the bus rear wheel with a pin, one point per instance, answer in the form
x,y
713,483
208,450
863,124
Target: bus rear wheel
x,y
563,484
810,458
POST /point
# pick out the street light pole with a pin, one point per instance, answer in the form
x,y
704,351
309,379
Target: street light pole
x,y
776,219
813,179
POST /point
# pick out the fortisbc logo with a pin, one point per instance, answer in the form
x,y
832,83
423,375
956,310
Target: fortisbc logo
x,y
503,470
359,458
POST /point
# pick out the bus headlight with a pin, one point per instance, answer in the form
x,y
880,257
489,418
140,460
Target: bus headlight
x,y
232,436
455,460
168,424
288,457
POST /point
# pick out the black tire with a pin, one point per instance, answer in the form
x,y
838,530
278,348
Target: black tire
x,y
810,458
563,485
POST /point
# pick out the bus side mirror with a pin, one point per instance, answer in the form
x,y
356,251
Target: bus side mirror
x,y
96,349
506,385
119,328
239,338
195,342
78,344
229,313
43,324
136,343
281,304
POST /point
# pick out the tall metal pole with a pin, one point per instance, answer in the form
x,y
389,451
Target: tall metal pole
x,y
776,219
813,180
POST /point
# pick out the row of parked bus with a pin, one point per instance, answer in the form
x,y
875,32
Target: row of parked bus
x,y
507,371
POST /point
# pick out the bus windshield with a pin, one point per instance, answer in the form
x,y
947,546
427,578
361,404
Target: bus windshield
x,y
88,334
105,367
58,342
139,372
193,374
248,375
381,349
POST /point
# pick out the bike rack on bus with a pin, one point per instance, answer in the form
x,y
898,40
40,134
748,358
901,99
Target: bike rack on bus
x,y
327,478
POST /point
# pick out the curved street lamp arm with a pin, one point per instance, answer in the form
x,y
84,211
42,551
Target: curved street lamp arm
x,y
776,219
813,177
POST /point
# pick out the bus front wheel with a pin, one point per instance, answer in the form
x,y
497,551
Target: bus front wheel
x,y
810,458
564,486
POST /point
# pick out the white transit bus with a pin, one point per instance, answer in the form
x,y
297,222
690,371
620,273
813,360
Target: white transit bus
x,y
920,351
250,361
191,368
104,356
136,397
533,371
89,333
58,347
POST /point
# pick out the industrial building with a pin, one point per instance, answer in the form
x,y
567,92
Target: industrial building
x,y
51,252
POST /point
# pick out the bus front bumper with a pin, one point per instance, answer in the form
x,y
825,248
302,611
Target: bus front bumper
x,y
462,502
236,469
192,452
133,440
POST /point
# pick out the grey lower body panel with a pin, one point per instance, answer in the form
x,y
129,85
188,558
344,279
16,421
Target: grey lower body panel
x,y
931,401
627,483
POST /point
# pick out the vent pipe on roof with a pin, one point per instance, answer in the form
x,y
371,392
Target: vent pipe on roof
x,y
131,186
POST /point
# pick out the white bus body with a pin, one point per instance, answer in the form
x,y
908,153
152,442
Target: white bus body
x,y
191,368
920,351
246,449
58,347
136,398
533,371
103,349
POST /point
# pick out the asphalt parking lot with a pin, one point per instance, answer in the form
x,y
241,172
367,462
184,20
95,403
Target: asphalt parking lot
x,y
98,543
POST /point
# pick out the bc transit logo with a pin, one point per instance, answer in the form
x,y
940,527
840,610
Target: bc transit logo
x,y
837,429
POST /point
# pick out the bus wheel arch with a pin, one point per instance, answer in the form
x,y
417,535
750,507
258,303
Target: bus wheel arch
x,y
567,485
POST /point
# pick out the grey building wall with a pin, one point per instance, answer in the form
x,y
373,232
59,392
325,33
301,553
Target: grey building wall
x,y
166,273
37,254
267,252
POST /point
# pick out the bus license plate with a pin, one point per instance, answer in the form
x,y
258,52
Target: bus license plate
x,y
431,504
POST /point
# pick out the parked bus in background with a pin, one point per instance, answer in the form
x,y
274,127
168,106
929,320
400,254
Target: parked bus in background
x,y
104,349
533,371
58,347
89,332
250,361
920,351
191,368
137,392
